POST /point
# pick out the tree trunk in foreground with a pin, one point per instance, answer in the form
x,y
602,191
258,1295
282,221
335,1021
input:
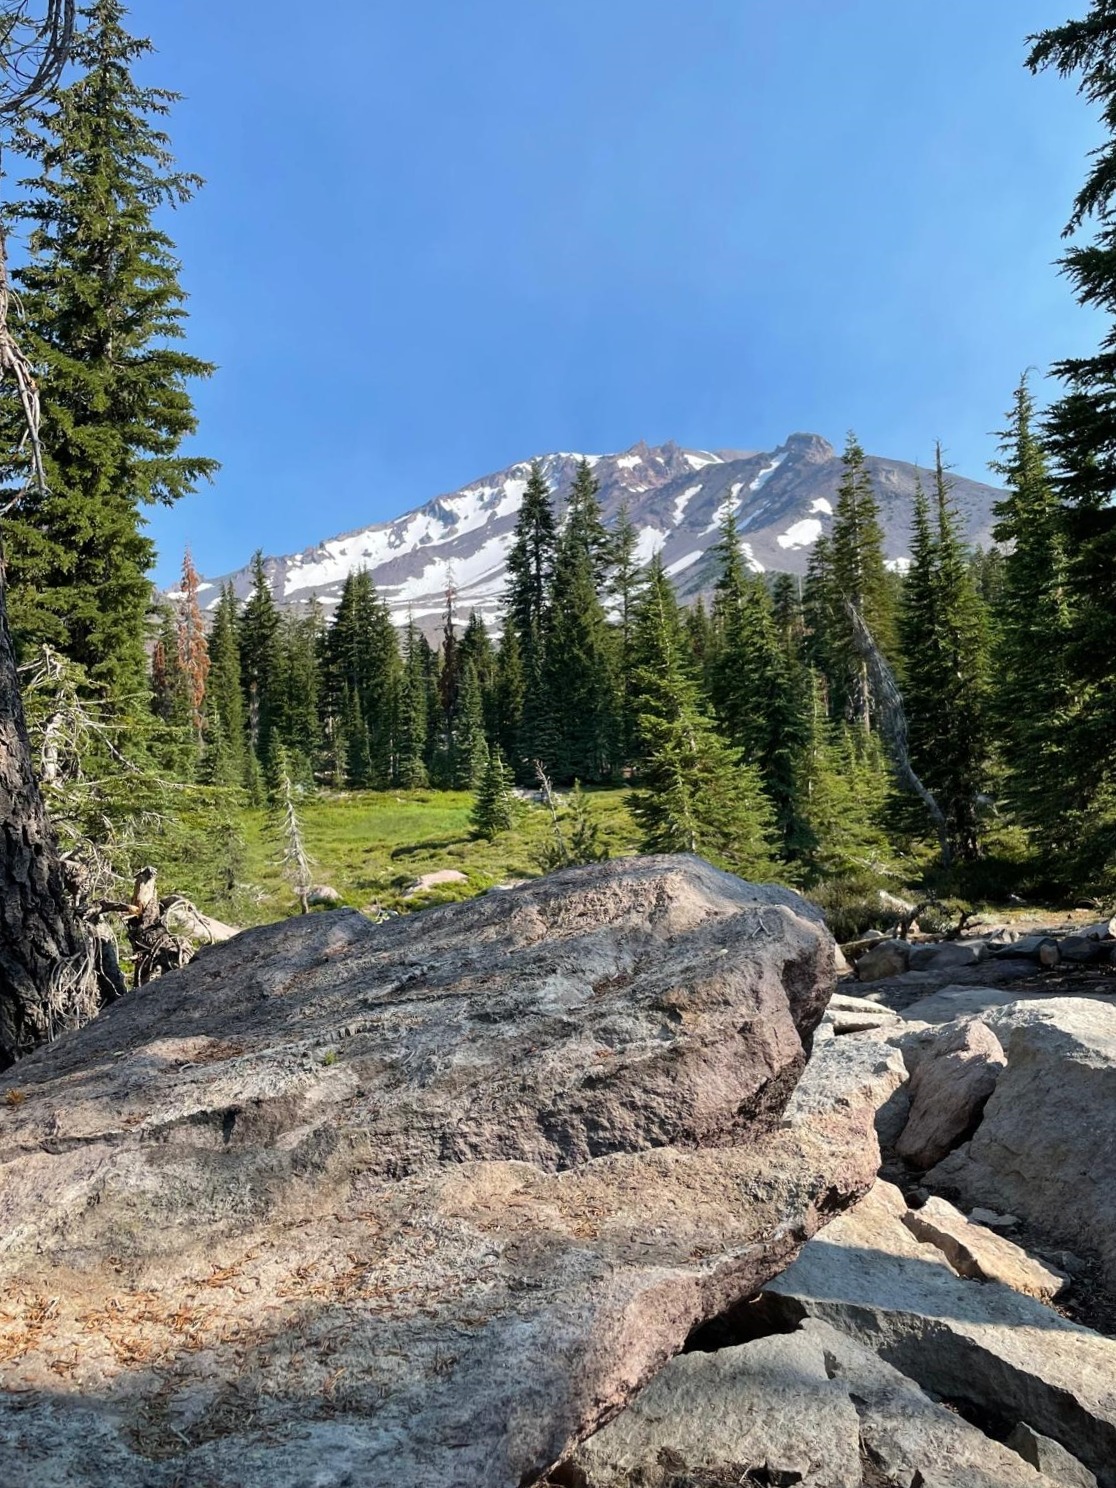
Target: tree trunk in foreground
x,y
45,957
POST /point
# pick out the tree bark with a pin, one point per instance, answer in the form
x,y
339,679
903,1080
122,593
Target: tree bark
x,y
45,956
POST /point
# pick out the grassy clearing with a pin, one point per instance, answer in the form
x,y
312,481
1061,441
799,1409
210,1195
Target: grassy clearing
x,y
371,846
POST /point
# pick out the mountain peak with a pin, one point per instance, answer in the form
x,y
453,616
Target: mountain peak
x,y
676,499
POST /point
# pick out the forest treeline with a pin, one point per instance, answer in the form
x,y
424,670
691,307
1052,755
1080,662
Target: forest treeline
x,y
855,727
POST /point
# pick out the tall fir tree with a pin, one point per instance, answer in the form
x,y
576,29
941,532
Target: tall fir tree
x,y
579,679
624,588
945,667
226,759
530,567
858,577
694,793
414,705
257,635
1033,699
1080,438
757,690
102,308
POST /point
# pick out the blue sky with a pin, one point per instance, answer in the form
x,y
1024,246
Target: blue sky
x,y
438,237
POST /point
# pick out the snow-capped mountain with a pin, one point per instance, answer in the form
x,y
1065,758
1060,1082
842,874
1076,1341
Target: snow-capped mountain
x,y
783,499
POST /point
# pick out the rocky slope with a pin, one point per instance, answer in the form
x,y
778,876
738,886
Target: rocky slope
x,y
783,499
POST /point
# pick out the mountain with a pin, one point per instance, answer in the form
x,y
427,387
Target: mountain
x,y
784,500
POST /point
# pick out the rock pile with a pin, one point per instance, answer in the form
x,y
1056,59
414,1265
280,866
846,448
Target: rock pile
x,y
574,1184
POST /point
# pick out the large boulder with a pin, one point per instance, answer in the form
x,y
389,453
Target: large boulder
x,y
1046,1146
950,1086
421,1202
977,1343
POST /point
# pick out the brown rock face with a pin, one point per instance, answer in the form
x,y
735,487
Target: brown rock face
x,y
414,1203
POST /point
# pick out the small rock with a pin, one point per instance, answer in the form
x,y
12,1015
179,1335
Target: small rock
x,y
844,1002
323,896
993,1221
940,955
1103,930
1049,955
886,958
432,880
980,1253
1050,1457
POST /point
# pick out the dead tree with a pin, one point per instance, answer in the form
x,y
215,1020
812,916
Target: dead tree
x,y
893,726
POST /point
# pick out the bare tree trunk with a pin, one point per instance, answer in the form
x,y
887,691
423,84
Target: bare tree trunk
x,y
46,961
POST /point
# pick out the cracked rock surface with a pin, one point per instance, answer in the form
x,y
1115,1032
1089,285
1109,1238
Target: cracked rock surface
x,y
416,1203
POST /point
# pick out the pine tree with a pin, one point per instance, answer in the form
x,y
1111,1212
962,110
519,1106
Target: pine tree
x,y
756,688
1034,698
694,792
258,639
492,811
226,758
509,692
625,587
470,749
362,681
944,634
858,577
414,701
530,568
1079,437
584,530
579,681
168,684
102,307
296,685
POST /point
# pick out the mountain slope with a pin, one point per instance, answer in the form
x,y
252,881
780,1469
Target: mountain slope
x,y
783,498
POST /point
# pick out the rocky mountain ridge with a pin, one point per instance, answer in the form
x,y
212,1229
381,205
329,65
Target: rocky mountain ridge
x,y
783,499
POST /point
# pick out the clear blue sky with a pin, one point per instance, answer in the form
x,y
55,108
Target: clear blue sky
x,y
441,236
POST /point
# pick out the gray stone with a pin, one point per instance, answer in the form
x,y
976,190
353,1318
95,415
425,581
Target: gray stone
x,y
993,1221
436,879
1083,949
856,1074
412,1203
886,958
869,1277
1026,948
980,1253
949,1089
1050,1458
955,1002
768,1404
1046,1146
936,956
910,1437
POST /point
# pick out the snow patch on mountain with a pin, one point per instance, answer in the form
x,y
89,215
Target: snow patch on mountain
x,y
686,561
768,471
683,501
801,535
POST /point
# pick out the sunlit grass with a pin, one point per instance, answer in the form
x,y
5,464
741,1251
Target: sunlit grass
x,y
371,846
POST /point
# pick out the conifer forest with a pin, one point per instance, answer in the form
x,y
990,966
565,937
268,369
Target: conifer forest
x,y
944,731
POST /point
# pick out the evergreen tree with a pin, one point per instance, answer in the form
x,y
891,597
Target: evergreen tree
x,y
470,749
258,638
296,687
857,576
476,649
944,635
756,688
530,575
509,692
493,810
1034,696
579,680
1080,438
625,585
694,792
584,530
362,682
226,757
845,790
414,702
102,308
